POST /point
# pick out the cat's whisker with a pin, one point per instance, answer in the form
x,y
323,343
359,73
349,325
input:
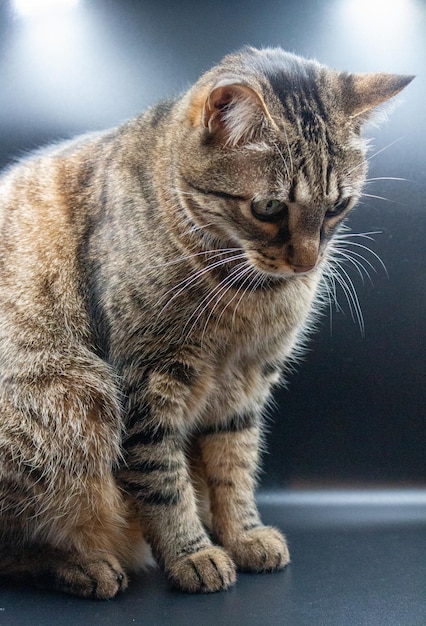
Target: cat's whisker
x,y
206,268
242,295
367,235
249,271
345,257
211,296
361,261
245,270
389,145
367,249
334,277
182,259
341,248
330,286
370,180
350,256
348,288
334,293
328,294
372,156
369,195
194,229
182,286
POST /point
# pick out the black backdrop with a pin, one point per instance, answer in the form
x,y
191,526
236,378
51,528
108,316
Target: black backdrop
x,y
354,411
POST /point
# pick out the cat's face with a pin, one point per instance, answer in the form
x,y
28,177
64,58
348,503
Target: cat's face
x,y
282,209
273,159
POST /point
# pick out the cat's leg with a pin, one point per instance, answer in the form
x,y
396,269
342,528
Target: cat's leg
x,y
157,476
59,441
229,457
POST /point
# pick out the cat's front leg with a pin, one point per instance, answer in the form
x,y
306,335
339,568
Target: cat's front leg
x,y
229,456
157,476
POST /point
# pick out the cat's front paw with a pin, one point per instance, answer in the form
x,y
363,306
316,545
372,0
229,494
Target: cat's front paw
x,y
262,549
206,571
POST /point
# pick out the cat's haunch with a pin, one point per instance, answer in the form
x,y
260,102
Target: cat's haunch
x,y
155,281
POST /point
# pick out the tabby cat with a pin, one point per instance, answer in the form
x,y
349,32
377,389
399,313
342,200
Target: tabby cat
x,y
154,281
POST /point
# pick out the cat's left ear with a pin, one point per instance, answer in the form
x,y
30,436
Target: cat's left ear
x,y
364,92
231,110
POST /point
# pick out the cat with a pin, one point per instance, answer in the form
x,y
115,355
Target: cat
x,y
155,281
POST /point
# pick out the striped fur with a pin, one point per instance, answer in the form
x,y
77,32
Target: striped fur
x,y
146,311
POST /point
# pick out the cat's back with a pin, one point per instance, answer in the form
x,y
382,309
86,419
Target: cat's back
x,y
65,180
45,201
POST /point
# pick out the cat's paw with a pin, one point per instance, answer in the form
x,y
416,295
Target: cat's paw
x,y
206,571
262,549
100,578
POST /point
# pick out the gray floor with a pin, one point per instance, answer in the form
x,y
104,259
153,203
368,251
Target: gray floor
x,y
358,559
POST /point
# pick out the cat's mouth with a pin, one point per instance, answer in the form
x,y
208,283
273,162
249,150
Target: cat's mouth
x,y
279,267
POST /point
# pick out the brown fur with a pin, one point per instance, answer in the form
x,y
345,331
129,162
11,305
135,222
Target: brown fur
x,y
146,310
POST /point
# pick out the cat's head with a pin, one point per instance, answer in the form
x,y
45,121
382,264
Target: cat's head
x,y
271,156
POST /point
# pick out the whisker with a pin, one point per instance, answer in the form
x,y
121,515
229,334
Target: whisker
x,y
191,279
194,228
181,259
360,259
372,156
203,270
348,289
364,235
376,256
330,279
250,272
370,195
389,145
369,180
361,269
246,270
329,284
243,293
224,284
346,257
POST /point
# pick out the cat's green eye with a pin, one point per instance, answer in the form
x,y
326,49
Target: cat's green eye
x,y
269,210
338,208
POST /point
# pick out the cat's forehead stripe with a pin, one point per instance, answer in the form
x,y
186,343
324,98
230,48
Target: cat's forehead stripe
x,y
302,191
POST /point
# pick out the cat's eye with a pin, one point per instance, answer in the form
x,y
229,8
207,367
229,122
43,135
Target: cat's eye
x,y
268,210
338,208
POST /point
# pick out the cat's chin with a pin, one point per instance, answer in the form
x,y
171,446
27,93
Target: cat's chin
x,y
285,272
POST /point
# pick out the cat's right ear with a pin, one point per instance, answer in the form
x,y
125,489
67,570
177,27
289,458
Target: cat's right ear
x,y
231,110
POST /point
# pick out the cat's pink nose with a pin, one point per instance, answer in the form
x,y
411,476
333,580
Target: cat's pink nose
x,y
300,269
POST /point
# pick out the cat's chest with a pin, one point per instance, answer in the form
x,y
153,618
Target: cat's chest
x,y
248,352
261,324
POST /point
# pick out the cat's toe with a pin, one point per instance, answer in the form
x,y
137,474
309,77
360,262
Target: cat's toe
x,y
260,550
206,571
100,579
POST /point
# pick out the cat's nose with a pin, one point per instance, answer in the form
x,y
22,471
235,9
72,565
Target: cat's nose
x,y
303,255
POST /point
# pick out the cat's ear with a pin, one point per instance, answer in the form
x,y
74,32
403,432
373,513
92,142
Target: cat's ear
x,y
364,92
231,110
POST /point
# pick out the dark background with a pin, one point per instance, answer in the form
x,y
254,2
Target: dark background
x,y
355,411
